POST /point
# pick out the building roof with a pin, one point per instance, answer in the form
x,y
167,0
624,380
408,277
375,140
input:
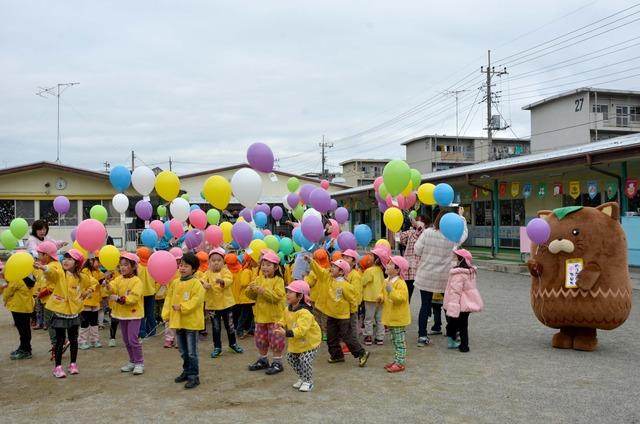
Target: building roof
x,y
578,91
364,160
466,137
622,144
54,166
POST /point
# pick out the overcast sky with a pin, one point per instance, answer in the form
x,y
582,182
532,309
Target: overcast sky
x,y
201,81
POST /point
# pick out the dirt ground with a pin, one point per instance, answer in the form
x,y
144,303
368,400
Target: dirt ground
x,y
511,375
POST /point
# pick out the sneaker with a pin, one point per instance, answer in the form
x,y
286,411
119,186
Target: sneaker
x,y
297,384
395,368
379,342
452,344
335,360
58,372
216,352
138,369
362,360
463,349
167,344
73,368
181,378
13,354
97,344
260,364
275,368
84,346
423,341
368,340
388,365
193,382
236,348
21,354
112,342
306,387
128,368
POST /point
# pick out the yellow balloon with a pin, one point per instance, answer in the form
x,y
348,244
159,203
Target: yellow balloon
x,y
425,194
226,231
383,242
18,266
393,219
109,257
80,249
217,191
167,185
256,246
240,219
408,189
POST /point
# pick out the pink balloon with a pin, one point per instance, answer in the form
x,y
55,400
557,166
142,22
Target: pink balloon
x,y
389,201
324,184
158,227
175,226
91,234
198,218
213,235
401,202
162,266
335,228
266,232
410,201
377,183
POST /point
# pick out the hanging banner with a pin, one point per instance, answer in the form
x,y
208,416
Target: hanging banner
x,y
557,188
592,189
515,189
574,189
526,190
486,192
476,193
502,190
631,187
612,190
542,188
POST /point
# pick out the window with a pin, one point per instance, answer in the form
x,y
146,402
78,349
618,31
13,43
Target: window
x,y
622,116
49,214
603,109
10,209
482,213
113,216
7,212
583,200
634,113
512,212
26,209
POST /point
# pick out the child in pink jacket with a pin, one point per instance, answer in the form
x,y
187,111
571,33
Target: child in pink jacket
x,y
461,297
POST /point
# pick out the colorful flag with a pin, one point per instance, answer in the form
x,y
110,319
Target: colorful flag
x,y
526,190
476,193
486,192
557,188
515,189
631,187
542,188
502,189
592,189
574,189
612,189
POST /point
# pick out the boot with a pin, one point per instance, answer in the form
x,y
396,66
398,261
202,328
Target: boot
x,y
83,338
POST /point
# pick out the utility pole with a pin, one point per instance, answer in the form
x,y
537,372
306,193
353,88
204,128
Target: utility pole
x,y
107,166
55,91
490,71
133,158
170,163
456,93
324,145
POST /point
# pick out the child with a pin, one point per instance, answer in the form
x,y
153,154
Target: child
x,y
148,324
395,310
219,301
318,294
249,273
126,293
303,332
268,292
235,267
461,297
372,282
18,299
184,311
340,295
355,279
89,334
170,333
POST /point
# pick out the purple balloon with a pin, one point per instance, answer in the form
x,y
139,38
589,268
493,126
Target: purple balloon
x,y
342,215
293,200
144,210
242,233
246,214
73,234
263,207
320,200
305,192
538,230
383,207
378,198
276,213
260,157
61,204
346,240
312,229
193,238
333,205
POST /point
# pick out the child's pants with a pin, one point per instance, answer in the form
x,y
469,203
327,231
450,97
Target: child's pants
x,y
225,315
353,323
302,364
400,344
459,325
188,345
61,334
48,316
89,328
21,320
437,315
169,333
340,329
148,325
245,318
321,319
113,327
265,338
39,308
373,311
130,330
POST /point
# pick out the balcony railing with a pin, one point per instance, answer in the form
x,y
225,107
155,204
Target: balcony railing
x,y
620,121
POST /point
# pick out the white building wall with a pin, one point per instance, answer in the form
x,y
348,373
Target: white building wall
x,y
560,123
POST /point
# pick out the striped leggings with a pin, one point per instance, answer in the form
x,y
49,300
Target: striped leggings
x,y
302,363
399,343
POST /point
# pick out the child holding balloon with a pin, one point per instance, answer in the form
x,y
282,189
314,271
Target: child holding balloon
x,y
19,301
249,273
318,293
396,314
372,283
89,334
148,324
355,279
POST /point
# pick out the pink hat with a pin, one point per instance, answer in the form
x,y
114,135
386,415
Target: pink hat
x,y
76,256
176,252
48,248
299,286
270,256
351,253
401,263
217,250
382,253
343,265
130,256
465,254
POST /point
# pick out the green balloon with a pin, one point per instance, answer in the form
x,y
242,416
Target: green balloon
x,y
99,213
8,240
213,216
286,245
382,191
272,243
186,197
298,212
396,175
416,179
19,228
162,211
292,184
296,247
413,214
282,258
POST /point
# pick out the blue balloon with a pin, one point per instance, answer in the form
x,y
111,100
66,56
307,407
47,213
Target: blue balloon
x,y
299,239
452,226
257,235
194,207
260,218
120,178
240,256
443,194
235,245
149,238
167,231
363,234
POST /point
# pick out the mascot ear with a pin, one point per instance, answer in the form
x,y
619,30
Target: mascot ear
x,y
610,209
544,213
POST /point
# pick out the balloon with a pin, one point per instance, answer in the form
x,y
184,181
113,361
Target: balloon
x,y
167,230
393,219
167,185
213,235
277,213
324,184
61,205
335,228
342,215
363,234
286,245
213,216
19,227
257,234
198,219
144,210
186,197
382,191
320,200
312,229
346,240
149,238
410,200
377,183
408,189
305,192
242,234
260,219
333,205
162,266
175,225
260,157
413,214
300,240
180,209
91,234
226,228
282,258
263,207
293,184
72,235
272,243
298,212
383,207
109,257
293,200
384,244
217,191
246,214
120,178
99,213
389,201
452,226
247,186
416,178
396,175
193,238
443,194
18,266
80,249
255,249
401,202
425,194
538,231
8,240
194,207
158,227
120,203
311,212
143,180
162,211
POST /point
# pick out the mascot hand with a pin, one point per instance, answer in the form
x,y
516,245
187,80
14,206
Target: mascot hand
x,y
588,276
535,268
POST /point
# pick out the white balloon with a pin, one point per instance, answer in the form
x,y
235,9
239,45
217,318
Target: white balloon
x,y
143,180
247,187
120,202
180,209
285,203
312,212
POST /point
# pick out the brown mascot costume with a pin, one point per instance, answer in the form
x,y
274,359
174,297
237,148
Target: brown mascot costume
x,y
580,277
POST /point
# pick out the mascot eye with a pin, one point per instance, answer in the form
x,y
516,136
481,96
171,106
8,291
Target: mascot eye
x,y
575,232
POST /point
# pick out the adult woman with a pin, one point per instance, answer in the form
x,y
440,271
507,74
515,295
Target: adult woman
x,y
39,233
408,239
434,251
